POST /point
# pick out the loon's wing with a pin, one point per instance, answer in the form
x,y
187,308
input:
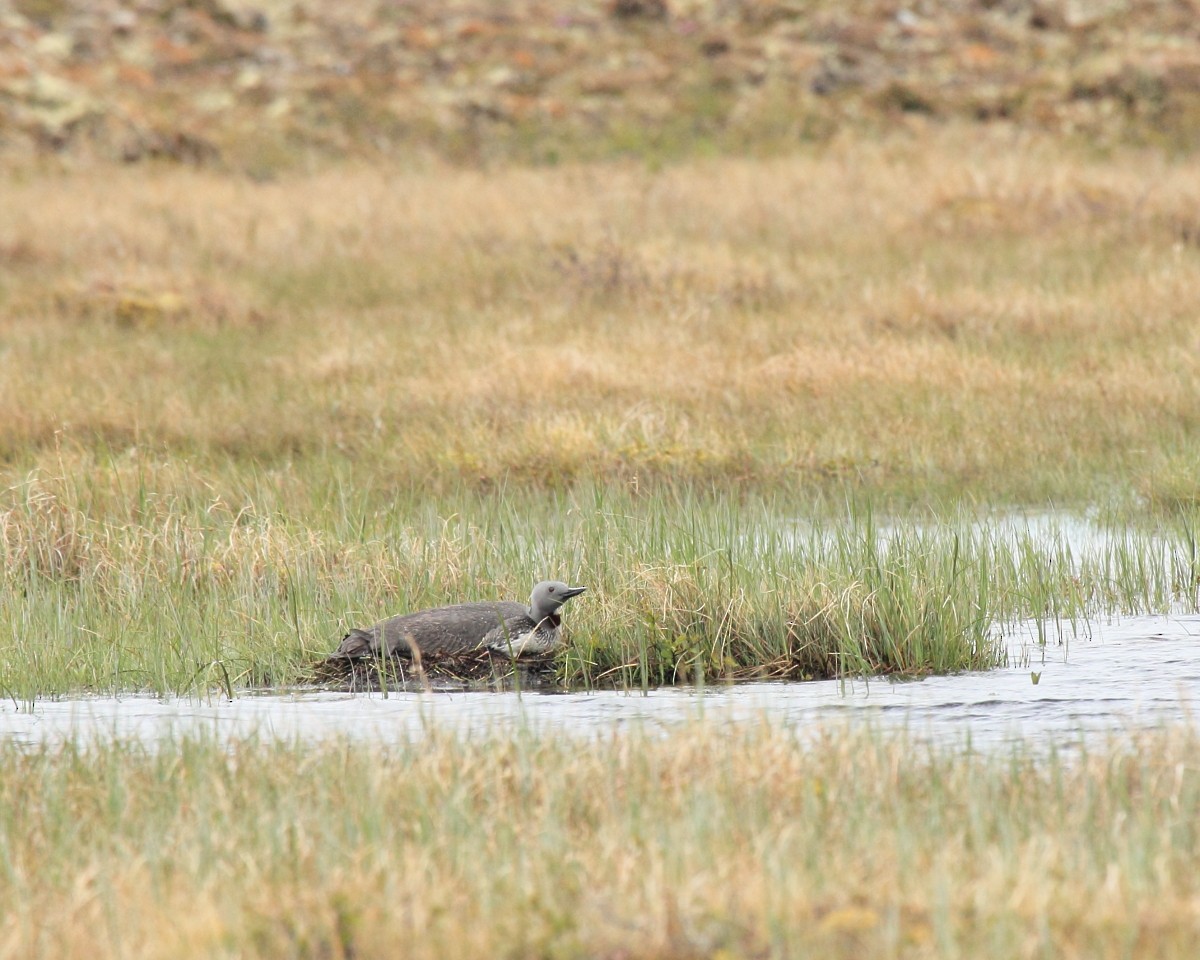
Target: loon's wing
x,y
443,631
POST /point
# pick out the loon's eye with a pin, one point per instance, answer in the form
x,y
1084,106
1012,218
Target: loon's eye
x,y
551,589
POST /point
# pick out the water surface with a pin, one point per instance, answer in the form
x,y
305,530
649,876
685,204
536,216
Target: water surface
x,y
1110,676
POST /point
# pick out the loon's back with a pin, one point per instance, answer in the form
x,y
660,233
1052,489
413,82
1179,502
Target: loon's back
x,y
460,628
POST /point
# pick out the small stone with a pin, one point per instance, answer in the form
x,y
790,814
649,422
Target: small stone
x,y
123,21
639,9
215,101
57,46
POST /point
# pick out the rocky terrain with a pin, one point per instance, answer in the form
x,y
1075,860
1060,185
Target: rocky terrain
x,y
256,84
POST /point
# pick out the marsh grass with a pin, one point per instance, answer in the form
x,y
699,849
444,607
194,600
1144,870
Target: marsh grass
x,y
750,841
143,577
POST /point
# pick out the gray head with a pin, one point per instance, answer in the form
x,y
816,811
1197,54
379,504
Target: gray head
x,y
549,596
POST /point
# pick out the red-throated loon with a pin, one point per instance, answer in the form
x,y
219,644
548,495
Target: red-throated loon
x,y
503,627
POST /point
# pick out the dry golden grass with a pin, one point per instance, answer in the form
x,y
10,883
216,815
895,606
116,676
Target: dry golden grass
x,y
959,314
704,842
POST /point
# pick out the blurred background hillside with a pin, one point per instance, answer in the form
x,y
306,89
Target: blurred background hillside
x,y
259,85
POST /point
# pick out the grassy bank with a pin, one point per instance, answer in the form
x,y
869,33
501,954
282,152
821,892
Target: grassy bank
x,y
706,842
141,578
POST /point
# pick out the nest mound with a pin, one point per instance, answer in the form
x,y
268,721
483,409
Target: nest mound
x,y
483,670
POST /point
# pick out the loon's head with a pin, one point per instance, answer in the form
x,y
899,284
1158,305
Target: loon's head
x,y
549,596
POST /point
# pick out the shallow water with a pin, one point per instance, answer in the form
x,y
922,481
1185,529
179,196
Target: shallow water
x,y
1112,677
1050,532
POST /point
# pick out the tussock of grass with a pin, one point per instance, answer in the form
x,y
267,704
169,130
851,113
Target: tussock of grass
x,y
154,576
707,841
